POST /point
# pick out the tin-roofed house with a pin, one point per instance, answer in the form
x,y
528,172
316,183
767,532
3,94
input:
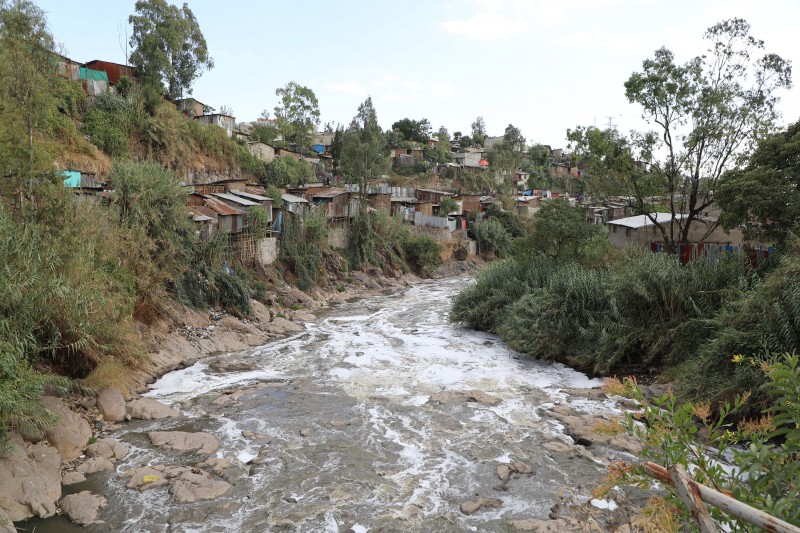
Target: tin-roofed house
x,y
226,122
231,220
334,201
205,222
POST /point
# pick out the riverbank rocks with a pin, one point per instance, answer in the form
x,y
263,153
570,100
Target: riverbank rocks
x,y
149,409
182,441
6,525
586,430
82,508
546,526
70,434
195,485
446,397
111,405
110,449
30,480
504,470
95,464
473,506
72,478
186,484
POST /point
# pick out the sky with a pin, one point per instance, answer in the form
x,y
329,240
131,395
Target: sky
x,y
542,65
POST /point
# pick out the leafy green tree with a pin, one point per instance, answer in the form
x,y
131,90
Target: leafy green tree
x,y
560,231
283,171
169,49
364,151
413,130
27,88
265,133
336,147
442,152
709,113
297,114
513,139
479,130
763,198
447,205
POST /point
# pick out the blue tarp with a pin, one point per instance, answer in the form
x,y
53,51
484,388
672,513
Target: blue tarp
x,y
72,178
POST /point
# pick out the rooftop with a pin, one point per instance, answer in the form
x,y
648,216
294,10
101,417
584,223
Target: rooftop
x,y
642,221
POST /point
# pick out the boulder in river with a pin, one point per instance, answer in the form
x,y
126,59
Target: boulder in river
x,y
30,480
6,525
72,478
70,435
148,409
95,464
478,503
111,405
194,485
183,441
82,508
587,429
110,449
446,397
559,525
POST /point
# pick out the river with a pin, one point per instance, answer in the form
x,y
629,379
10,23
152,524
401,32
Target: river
x,y
340,419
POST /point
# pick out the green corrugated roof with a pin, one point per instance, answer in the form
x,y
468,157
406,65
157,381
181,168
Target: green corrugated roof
x,y
89,74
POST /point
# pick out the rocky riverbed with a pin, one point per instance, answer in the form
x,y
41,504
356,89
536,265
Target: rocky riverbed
x,y
376,416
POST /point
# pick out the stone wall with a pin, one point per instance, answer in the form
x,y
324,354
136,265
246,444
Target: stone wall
x,y
437,234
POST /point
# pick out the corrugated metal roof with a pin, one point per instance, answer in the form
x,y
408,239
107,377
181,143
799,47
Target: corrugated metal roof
x,y
292,199
641,221
233,198
330,193
251,196
221,208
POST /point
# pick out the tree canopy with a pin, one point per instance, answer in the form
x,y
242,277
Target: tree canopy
x,y
708,113
413,130
169,49
364,152
297,114
763,199
478,130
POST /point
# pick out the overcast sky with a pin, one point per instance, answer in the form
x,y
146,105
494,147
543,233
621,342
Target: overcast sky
x,y
542,65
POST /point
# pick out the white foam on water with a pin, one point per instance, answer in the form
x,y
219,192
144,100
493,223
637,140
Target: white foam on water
x,y
197,379
358,528
604,504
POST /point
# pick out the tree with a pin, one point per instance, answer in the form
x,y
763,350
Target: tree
x,y
283,171
442,152
27,91
513,139
708,112
168,47
264,132
763,198
297,114
479,130
560,231
364,152
413,130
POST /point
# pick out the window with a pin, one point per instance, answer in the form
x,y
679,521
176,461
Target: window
x,y
628,232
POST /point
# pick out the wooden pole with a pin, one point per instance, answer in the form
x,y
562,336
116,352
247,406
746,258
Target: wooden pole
x,y
690,496
722,500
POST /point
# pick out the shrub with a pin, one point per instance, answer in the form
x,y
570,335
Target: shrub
x,y
423,254
376,239
301,246
766,462
491,237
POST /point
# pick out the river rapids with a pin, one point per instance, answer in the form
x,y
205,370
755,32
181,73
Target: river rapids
x,y
333,429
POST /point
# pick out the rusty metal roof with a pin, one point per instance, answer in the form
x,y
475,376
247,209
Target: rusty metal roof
x,y
221,208
293,199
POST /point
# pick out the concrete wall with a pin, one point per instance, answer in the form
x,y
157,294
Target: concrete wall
x,y
339,235
267,250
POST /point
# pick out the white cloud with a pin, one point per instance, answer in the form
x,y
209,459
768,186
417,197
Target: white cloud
x,y
486,26
347,87
442,89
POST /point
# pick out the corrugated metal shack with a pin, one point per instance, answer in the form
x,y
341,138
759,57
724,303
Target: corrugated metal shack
x,y
114,71
263,201
231,220
335,202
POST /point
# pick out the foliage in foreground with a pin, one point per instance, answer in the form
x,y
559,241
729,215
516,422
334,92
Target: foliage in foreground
x,y
764,452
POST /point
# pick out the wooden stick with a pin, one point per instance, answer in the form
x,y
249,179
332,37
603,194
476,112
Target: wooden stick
x,y
690,496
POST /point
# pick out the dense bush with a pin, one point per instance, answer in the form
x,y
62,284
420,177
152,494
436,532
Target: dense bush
x,y
423,254
376,239
301,244
491,237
